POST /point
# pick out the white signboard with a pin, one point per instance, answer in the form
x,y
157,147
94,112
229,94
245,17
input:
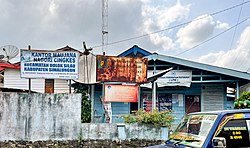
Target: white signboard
x,y
49,64
176,78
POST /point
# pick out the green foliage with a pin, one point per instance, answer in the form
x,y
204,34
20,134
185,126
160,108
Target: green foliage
x,y
243,101
154,117
86,108
80,136
86,103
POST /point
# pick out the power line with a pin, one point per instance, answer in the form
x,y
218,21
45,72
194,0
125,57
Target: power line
x,y
176,26
214,36
234,35
247,50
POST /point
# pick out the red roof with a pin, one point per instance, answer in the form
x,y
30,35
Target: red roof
x,y
8,65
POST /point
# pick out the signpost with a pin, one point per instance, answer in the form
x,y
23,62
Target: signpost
x,y
49,64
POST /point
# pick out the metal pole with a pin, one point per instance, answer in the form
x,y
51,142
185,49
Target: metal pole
x,y
139,97
70,86
29,48
154,96
92,103
154,91
237,90
103,115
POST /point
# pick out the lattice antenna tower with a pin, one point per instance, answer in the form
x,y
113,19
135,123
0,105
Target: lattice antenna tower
x,y
104,26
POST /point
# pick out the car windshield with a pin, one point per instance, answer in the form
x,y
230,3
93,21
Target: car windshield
x,y
193,130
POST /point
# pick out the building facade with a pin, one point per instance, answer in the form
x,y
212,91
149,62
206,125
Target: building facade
x,y
188,87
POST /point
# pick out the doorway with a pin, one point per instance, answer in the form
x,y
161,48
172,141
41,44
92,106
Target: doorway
x,y
49,86
192,103
133,107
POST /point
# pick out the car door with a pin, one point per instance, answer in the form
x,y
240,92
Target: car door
x,y
235,131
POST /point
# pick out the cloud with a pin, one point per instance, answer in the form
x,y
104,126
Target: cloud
x,y
49,24
198,30
220,25
160,17
237,58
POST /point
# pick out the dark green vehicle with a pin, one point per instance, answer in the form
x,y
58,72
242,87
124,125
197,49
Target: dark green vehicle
x,y
216,129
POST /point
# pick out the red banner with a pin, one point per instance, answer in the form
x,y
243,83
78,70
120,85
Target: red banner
x,y
121,93
121,69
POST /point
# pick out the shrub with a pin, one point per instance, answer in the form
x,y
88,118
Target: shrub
x,y
163,118
243,101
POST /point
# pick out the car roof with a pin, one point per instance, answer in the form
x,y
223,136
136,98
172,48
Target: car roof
x,y
223,112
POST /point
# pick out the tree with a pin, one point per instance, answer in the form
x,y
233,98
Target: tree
x,y
86,103
243,101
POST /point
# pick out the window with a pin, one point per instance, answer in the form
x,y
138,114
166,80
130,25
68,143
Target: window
x,y
165,102
236,133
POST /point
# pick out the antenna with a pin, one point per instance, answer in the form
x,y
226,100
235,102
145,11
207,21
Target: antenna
x,y
8,52
86,50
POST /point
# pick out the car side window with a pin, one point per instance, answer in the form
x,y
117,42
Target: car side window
x,y
236,133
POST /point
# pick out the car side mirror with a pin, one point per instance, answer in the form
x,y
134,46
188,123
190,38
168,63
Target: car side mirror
x,y
170,132
219,142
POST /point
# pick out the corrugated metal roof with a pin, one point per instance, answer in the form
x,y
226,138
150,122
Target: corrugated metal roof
x,y
134,50
67,48
9,65
201,66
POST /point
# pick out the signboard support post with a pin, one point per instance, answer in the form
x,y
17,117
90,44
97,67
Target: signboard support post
x,y
154,96
103,115
92,103
70,86
139,97
237,90
154,90
29,47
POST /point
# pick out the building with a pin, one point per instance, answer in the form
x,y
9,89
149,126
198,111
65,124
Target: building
x,y
13,80
188,87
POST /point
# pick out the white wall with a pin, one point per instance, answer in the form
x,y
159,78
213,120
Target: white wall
x,y
12,80
61,86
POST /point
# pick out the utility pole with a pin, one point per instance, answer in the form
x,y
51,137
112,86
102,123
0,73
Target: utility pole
x,y
29,48
104,26
104,44
91,88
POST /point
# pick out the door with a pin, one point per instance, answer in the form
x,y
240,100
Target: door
x,y
192,103
235,131
49,85
133,107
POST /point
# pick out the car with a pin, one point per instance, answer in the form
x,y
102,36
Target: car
x,y
215,129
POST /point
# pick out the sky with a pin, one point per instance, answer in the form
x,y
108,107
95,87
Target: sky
x,y
206,31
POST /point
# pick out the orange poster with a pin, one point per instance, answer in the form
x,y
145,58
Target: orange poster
x,y
121,69
121,93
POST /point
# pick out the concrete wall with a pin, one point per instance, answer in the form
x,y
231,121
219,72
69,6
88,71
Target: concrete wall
x,y
45,117
106,131
39,116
